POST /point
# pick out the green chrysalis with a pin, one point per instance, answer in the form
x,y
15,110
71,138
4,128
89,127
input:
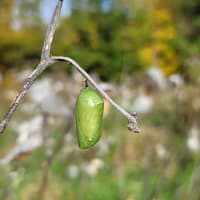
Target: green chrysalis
x,y
89,112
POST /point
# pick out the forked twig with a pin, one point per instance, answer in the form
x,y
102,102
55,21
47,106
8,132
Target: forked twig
x,y
44,63
47,61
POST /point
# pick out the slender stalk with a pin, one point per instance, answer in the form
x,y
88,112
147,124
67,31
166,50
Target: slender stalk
x,y
44,63
27,84
50,31
47,61
131,117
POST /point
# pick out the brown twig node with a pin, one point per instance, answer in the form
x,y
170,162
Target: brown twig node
x,y
46,61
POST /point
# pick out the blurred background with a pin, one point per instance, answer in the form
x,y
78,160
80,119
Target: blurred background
x,y
145,55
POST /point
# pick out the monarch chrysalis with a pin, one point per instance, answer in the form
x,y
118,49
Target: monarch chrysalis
x,y
89,112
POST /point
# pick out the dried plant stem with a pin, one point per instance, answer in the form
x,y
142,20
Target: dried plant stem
x,y
44,63
47,61
50,31
131,117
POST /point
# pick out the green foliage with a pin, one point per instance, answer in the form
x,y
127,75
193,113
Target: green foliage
x,y
108,190
94,42
188,42
103,42
125,175
22,45
121,40
6,13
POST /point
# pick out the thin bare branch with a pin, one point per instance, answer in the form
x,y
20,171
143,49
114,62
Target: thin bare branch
x,y
132,118
45,62
50,31
27,84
